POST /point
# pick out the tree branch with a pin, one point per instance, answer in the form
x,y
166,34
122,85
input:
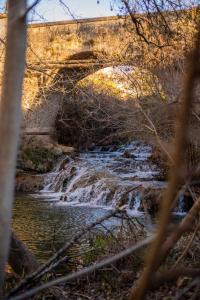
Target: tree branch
x,y
85,271
175,173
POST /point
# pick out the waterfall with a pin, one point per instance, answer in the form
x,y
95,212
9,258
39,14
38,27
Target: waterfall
x,y
184,203
180,205
53,182
102,177
134,203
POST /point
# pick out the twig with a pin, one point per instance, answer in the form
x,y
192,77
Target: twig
x,y
68,9
36,2
186,289
138,26
85,271
173,274
175,173
187,246
185,225
196,292
49,265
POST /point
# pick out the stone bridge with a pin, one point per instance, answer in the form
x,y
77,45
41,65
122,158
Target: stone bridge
x,y
63,53
71,50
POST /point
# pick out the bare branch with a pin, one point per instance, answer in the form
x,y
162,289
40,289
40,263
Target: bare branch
x,y
175,172
32,6
67,8
49,265
85,271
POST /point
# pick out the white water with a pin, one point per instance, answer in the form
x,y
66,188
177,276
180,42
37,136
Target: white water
x,y
103,178
134,210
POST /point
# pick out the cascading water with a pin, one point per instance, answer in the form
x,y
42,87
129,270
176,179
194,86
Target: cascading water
x,y
53,181
134,203
103,178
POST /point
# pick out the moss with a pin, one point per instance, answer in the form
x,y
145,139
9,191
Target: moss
x,y
99,245
37,159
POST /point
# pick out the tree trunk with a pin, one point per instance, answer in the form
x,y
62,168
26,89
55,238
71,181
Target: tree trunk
x,y
10,115
21,260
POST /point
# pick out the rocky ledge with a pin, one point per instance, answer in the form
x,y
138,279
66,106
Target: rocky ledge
x,y
38,155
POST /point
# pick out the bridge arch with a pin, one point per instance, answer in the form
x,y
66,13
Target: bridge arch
x,y
85,63
80,65
72,70
68,130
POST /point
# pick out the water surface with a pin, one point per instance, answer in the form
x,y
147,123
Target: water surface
x,y
44,226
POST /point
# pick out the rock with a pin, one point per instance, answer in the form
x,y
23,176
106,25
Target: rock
x,y
159,158
127,154
64,163
28,183
151,198
38,155
42,158
60,149
39,160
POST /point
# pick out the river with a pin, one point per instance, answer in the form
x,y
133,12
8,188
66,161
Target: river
x,y
80,190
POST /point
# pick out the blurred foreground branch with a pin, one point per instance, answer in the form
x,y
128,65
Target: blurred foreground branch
x,y
175,177
10,116
86,270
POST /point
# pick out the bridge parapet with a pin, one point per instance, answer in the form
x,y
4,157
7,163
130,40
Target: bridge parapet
x,y
110,38
59,41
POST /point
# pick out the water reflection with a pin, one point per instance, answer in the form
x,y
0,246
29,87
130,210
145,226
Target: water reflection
x,y
45,226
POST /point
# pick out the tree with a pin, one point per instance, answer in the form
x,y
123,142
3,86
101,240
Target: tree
x,y
10,116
